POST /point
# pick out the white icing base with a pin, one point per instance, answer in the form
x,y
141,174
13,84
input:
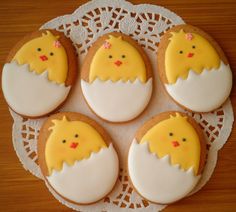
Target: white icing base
x,y
88,180
117,101
31,94
204,92
155,179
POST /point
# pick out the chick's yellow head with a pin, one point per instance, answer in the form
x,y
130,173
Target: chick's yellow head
x,y
117,60
177,138
45,53
187,51
71,141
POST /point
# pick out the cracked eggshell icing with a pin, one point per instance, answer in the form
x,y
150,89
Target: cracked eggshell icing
x,y
29,93
75,159
117,101
165,161
204,92
39,73
194,69
116,78
155,178
88,180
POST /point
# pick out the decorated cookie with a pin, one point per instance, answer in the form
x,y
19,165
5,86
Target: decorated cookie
x,y
116,78
167,157
39,73
77,158
194,69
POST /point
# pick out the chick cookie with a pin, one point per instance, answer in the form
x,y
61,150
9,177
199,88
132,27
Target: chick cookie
x,y
116,78
39,73
193,68
167,157
77,158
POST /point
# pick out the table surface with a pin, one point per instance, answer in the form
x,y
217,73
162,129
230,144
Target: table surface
x,y
21,191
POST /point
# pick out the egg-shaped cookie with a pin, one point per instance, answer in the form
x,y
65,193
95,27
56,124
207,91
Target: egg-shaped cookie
x,y
194,69
167,157
116,78
77,158
39,73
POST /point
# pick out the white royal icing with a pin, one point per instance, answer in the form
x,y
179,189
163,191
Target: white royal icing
x,y
117,101
31,94
87,180
156,179
203,92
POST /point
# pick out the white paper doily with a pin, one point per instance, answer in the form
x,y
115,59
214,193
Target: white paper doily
x,y
145,23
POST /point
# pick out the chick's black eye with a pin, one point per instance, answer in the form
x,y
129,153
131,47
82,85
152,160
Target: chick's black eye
x,y
123,56
193,47
51,53
184,139
39,49
76,135
110,56
63,141
170,134
181,52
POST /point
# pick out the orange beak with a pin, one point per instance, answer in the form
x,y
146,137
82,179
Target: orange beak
x,y
190,54
43,57
175,143
73,145
118,63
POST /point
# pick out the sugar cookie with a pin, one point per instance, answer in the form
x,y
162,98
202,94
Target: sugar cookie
x,y
77,158
167,157
116,78
193,68
39,73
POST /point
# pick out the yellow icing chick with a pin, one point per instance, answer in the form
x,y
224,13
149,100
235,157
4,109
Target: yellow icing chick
x,y
177,138
117,60
188,51
71,141
45,53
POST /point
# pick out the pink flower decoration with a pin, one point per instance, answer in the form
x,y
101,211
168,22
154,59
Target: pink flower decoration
x,y
107,45
189,36
57,44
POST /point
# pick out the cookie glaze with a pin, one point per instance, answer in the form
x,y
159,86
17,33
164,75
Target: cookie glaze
x,y
165,158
